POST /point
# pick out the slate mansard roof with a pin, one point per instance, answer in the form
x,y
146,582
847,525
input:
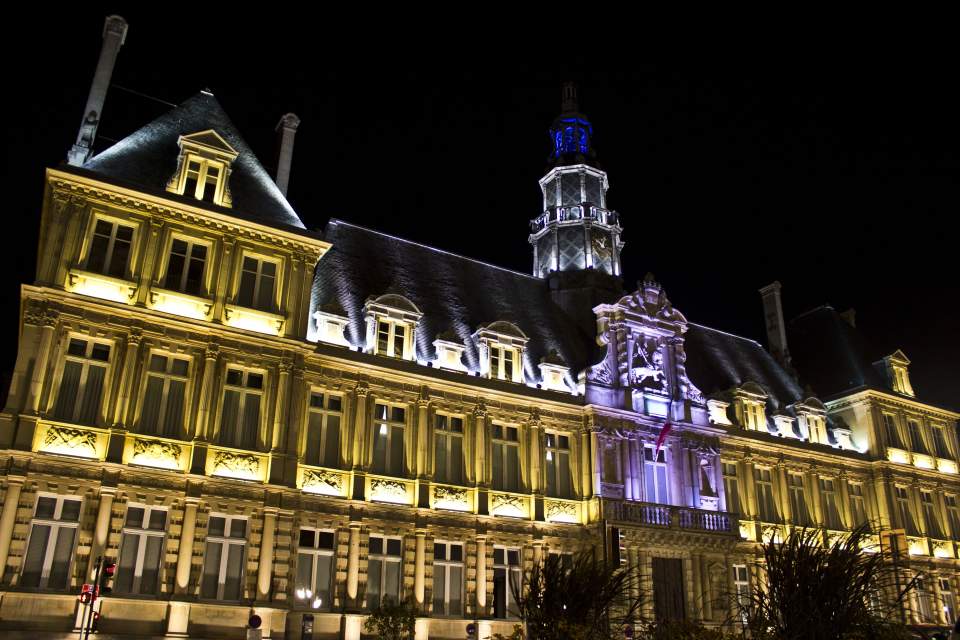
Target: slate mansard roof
x,y
459,294
147,159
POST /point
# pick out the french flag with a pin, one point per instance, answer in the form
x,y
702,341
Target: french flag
x,y
664,432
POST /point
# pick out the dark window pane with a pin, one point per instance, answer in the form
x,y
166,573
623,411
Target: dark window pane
x,y
216,526
46,507
326,540
134,517
307,538
393,547
70,512
158,520
77,348
376,545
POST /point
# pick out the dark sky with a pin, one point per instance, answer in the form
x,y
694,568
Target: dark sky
x,y
836,175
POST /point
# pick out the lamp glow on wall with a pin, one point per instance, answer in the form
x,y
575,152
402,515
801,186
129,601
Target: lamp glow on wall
x,y
104,288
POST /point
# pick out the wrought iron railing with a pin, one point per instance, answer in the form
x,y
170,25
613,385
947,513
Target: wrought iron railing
x,y
667,516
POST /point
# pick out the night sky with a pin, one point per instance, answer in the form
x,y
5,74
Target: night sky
x,y
836,175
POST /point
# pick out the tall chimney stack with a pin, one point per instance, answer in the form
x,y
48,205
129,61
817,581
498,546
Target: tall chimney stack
x,y
289,123
776,328
114,35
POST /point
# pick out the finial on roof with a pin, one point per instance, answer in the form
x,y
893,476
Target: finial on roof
x,y
206,91
569,103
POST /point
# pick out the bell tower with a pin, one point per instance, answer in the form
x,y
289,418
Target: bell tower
x,y
576,231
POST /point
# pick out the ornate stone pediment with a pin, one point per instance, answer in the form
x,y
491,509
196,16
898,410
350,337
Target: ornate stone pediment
x,y
321,481
68,440
236,464
155,450
392,490
562,511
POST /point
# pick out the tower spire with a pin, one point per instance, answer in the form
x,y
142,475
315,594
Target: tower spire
x,y
569,103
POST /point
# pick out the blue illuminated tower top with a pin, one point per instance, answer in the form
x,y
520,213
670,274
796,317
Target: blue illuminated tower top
x,y
571,133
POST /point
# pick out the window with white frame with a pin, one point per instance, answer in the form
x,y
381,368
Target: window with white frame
x,y
506,458
934,530
447,579
940,447
82,382
924,600
858,508
904,513
185,266
506,577
141,550
557,466
392,337
917,442
798,502
223,559
201,179
384,570
53,534
258,281
448,449
161,413
891,431
504,362
655,479
947,601
316,568
828,498
765,496
611,461
754,415
240,415
323,430
741,589
389,427
110,248
953,514
731,486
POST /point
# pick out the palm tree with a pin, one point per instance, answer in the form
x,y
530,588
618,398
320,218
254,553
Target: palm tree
x,y
808,591
577,598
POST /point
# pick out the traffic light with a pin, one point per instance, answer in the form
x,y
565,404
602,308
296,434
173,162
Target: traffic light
x,y
106,577
94,622
86,594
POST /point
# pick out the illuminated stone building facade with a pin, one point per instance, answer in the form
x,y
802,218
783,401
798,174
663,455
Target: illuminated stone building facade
x,y
252,417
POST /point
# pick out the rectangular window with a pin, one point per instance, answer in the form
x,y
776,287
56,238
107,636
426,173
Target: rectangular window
x,y
391,338
506,458
110,248
947,600
384,570
82,382
828,497
741,588
924,601
941,449
765,499
389,426
558,466
891,431
223,560
447,579
731,487
448,449
185,267
902,499
669,602
201,179
754,414
316,569
858,508
798,503
503,362
258,280
934,530
141,551
655,476
323,431
917,442
506,578
240,417
164,394
53,534
953,514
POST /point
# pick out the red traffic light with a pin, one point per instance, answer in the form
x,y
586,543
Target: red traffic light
x,y
96,621
109,568
86,597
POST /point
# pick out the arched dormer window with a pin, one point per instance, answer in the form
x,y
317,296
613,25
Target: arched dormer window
x,y
203,168
501,345
391,326
750,406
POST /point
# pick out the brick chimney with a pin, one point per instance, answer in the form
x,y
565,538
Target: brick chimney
x,y
114,35
288,123
776,328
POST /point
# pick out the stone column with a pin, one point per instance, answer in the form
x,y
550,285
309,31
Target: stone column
x,y
223,279
204,417
590,458
11,500
597,457
101,530
420,568
283,402
536,486
423,434
480,433
39,372
750,493
842,490
127,376
816,500
353,563
786,509
360,435
149,259
537,551
185,550
265,566
481,576
635,465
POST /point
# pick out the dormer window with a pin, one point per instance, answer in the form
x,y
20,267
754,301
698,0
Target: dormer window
x,y
895,367
501,345
751,401
813,420
203,169
391,326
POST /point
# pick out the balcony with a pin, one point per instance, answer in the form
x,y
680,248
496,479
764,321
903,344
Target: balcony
x,y
573,214
668,516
